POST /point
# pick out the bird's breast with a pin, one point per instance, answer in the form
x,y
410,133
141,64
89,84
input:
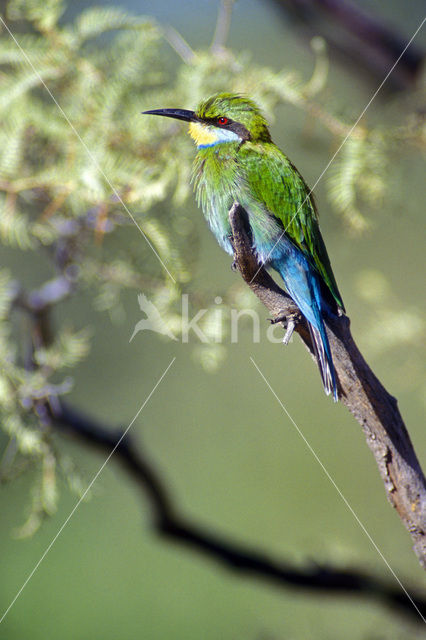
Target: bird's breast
x,y
216,180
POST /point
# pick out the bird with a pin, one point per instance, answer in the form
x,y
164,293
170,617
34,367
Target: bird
x,y
237,162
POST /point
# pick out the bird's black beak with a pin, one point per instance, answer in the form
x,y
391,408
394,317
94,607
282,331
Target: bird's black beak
x,y
179,114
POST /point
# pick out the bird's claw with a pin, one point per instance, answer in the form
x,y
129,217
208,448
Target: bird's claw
x,y
291,325
234,265
290,321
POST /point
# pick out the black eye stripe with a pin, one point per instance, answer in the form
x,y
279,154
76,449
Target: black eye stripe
x,y
216,123
231,125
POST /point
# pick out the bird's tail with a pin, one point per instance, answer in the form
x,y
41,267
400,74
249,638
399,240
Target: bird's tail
x,y
302,284
325,362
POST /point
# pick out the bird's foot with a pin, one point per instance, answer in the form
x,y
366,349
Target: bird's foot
x,y
290,321
234,265
291,325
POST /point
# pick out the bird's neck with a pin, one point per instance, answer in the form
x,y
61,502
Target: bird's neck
x,y
218,152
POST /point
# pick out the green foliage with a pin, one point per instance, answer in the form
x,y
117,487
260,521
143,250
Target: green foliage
x,y
359,174
68,348
78,164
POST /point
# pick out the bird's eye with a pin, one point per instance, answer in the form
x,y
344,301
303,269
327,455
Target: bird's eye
x,y
222,120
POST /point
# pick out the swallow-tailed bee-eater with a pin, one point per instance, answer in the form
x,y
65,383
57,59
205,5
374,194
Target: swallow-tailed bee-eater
x,y
237,162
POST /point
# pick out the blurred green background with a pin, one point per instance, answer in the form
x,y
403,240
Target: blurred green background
x,y
232,459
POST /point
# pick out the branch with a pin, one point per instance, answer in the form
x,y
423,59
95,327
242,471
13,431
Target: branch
x,y
363,37
168,522
359,389
222,26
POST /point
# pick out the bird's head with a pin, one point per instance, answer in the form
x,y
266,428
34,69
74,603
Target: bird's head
x,y
225,117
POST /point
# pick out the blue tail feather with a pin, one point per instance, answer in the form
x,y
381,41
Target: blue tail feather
x,y
302,284
324,359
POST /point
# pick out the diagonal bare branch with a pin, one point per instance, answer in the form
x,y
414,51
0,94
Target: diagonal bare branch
x,y
359,389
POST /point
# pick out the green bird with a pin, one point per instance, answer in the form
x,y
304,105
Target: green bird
x,y
238,162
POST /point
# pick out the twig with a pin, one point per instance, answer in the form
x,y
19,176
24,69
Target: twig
x,y
359,389
179,44
169,523
222,26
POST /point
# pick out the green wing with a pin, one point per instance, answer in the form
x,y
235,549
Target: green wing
x,y
277,185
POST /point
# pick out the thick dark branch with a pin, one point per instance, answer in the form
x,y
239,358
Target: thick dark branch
x,y
360,37
174,526
359,389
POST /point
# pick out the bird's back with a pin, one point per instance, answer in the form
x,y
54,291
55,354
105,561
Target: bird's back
x,y
273,185
264,181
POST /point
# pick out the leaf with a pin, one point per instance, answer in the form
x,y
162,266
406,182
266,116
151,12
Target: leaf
x,y
15,86
14,227
69,348
12,146
97,20
6,293
45,13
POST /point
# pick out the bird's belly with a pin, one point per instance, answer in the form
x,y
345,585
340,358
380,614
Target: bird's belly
x,y
217,217
268,237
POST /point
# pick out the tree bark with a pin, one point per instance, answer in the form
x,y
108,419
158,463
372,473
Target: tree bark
x,y
359,389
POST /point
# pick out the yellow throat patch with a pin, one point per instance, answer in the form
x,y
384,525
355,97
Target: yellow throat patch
x,y
202,134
